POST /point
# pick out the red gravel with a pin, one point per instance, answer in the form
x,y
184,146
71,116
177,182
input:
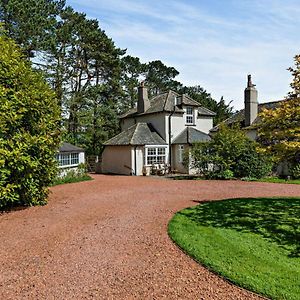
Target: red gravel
x,y
107,239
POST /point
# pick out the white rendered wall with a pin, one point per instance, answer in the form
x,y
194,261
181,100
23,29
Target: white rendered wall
x,y
117,160
81,158
204,123
137,153
176,164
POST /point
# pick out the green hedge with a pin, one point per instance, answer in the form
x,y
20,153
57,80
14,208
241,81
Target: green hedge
x,y
29,130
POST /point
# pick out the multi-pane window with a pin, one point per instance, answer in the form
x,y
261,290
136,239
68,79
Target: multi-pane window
x,y
181,153
67,159
155,155
189,115
74,158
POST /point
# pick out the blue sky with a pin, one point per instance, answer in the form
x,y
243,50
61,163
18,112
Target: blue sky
x,y
213,43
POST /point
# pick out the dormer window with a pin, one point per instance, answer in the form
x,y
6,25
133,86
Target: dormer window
x,y
189,118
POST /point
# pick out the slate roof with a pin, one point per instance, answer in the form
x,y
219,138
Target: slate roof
x,y
138,134
239,117
66,147
165,103
191,135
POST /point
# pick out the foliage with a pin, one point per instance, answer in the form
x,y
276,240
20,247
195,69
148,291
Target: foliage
x,y
252,242
279,132
160,78
73,176
223,111
29,134
295,85
229,154
296,171
30,23
132,70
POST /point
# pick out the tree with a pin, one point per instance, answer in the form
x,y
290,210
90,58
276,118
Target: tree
x,y
279,131
229,154
30,23
222,110
160,78
132,71
295,85
29,130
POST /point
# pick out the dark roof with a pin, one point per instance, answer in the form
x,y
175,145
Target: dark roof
x,y
138,134
165,103
239,117
191,135
66,147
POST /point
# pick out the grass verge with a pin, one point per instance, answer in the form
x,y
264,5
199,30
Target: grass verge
x,y
252,242
71,179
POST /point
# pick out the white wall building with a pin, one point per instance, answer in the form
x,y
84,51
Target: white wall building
x,y
69,158
156,134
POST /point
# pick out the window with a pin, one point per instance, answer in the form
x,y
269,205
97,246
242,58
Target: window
x,y
74,158
189,115
181,152
67,159
155,155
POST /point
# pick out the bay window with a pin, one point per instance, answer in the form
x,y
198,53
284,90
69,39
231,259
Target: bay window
x,y
155,155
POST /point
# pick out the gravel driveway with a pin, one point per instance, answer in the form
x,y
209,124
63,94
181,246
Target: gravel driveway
x,y
107,239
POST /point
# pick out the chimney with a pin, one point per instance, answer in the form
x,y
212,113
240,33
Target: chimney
x,y
143,101
251,104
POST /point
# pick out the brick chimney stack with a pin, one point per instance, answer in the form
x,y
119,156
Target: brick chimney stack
x,y
251,103
143,100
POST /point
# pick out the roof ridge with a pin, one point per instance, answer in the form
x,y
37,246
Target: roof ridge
x,y
134,132
165,103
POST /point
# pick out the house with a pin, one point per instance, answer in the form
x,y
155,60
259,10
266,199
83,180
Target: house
x,y
156,133
248,118
69,158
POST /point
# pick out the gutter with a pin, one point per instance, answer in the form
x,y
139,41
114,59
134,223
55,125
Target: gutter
x,y
170,145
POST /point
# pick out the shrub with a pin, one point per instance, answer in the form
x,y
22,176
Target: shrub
x,y
230,154
80,174
29,134
295,171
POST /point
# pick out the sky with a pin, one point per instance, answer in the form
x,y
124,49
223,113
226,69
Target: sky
x,y
213,43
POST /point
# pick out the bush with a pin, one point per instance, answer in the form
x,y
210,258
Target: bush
x,y
29,130
230,154
80,174
295,171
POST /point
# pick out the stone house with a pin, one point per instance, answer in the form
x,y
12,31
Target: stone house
x,y
156,134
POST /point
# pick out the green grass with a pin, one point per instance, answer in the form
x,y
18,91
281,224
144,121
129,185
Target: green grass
x,y
280,180
71,179
253,242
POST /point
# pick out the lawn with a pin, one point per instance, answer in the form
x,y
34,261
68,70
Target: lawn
x,y
253,242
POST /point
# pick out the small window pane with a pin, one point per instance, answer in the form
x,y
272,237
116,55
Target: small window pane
x,y
189,119
161,151
189,110
74,158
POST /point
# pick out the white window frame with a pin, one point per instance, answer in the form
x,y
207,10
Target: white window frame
x,y
155,152
67,159
180,153
189,116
